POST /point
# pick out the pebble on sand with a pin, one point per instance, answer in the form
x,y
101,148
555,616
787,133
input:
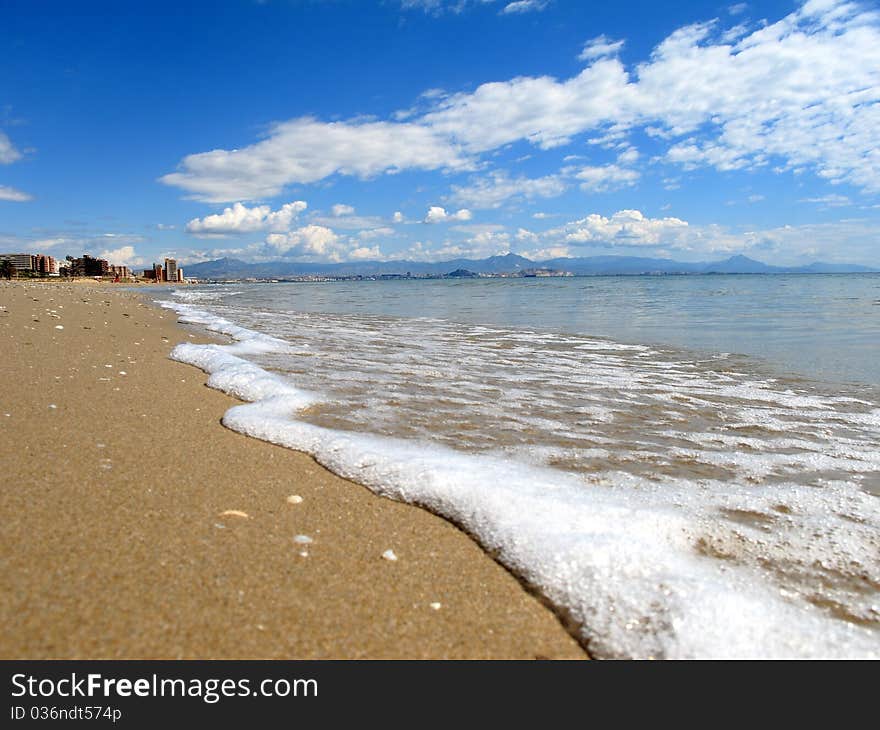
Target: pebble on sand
x,y
436,605
294,499
235,513
302,539
389,555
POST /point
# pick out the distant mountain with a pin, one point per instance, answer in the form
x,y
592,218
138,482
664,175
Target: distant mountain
x,y
740,265
227,268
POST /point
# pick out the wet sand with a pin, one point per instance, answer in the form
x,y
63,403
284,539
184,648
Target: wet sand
x,y
116,472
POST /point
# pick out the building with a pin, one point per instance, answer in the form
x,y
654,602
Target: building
x,y
154,273
85,266
29,263
123,272
21,261
45,265
170,270
180,276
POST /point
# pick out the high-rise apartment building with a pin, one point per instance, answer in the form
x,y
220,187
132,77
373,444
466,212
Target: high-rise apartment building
x,y
170,270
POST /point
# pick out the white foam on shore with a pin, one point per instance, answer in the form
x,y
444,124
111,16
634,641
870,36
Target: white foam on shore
x,y
643,567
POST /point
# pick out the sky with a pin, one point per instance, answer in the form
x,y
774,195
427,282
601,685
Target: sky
x,y
340,130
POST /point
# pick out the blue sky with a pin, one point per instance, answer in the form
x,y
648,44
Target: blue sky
x,y
429,129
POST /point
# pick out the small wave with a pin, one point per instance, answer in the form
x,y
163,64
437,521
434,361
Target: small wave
x,y
643,566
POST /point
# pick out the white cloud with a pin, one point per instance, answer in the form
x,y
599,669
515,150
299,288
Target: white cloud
x,y
844,241
544,254
629,156
13,195
829,201
397,217
498,187
600,47
542,110
319,243
437,7
363,253
523,6
123,256
485,243
241,219
802,93
309,240
370,233
8,152
606,177
625,228
305,150
341,209
436,214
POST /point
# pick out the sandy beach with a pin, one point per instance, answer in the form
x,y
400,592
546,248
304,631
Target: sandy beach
x,y
116,477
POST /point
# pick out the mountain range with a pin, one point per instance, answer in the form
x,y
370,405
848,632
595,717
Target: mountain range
x,y
228,268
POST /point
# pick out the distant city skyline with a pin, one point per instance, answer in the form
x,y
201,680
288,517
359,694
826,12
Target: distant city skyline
x,y
431,130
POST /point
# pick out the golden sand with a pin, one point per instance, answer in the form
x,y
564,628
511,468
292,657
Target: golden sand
x,y
135,526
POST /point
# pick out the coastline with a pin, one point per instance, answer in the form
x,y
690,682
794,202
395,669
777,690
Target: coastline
x,y
115,545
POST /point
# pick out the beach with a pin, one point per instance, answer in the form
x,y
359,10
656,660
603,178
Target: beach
x,y
137,526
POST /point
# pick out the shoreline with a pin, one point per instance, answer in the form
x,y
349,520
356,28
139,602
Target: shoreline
x,y
116,545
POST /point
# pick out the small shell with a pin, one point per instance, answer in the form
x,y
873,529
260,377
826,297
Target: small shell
x,y
235,513
302,539
389,555
294,499
436,605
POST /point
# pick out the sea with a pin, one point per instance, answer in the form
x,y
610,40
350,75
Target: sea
x,y
681,466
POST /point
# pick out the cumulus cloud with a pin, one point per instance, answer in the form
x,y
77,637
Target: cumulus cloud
x,y
495,189
315,242
241,219
13,195
600,47
309,240
397,217
341,209
364,253
523,6
122,256
8,152
625,227
437,214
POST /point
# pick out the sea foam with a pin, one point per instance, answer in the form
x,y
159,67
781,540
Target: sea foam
x,y
640,567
